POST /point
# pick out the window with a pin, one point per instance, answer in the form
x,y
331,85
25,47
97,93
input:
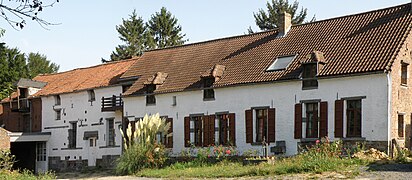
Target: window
x,y
196,130
309,79
150,97
208,91
92,142
312,125
354,118
57,100
281,63
261,125
401,126
110,132
125,88
41,151
222,129
404,74
58,114
92,96
72,135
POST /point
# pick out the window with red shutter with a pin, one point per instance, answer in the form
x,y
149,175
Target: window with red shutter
x,y
339,118
298,121
232,129
323,119
169,140
249,126
271,125
187,131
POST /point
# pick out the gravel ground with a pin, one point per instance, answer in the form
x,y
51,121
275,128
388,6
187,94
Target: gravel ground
x,y
387,171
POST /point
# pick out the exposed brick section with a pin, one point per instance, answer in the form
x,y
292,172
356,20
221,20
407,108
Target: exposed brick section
x,y
402,95
4,139
13,121
36,115
359,43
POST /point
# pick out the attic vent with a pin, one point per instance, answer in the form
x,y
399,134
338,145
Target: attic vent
x,y
281,63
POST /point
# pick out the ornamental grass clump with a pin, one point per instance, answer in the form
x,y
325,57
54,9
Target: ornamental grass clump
x,y
142,149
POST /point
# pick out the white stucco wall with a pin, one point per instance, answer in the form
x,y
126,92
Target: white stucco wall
x,y
282,96
75,107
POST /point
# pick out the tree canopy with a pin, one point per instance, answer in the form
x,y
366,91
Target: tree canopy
x,y
17,12
269,19
15,65
162,30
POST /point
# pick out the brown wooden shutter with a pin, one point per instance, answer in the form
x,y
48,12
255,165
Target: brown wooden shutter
x,y
212,129
271,125
187,132
323,119
206,133
169,143
298,121
249,126
232,129
339,118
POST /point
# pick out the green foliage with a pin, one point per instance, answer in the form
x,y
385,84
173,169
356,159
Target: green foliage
x,y
165,30
38,64
322,157
141,147
15,65
269,19
162,30
25,174
6,160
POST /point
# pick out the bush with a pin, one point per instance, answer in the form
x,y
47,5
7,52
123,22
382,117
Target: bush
x,y
6,160
141,147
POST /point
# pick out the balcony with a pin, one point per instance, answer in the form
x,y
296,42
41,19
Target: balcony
x,y
113,103
20,105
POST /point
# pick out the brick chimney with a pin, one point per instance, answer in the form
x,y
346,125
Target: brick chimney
x,y
285,24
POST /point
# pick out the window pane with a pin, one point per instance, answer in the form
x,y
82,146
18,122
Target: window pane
x,y
354,118
281,63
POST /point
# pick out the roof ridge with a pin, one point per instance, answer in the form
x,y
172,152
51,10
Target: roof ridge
x,y
273,30
351,15
89,67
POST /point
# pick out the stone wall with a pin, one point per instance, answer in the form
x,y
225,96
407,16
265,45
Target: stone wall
x,y
107,161
4,139
57,165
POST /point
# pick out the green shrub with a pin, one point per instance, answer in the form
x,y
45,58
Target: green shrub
x,y
141,147
6,160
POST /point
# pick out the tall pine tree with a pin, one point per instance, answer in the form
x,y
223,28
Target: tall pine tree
x,y
38,64
131,32
165,30
267,20
162,30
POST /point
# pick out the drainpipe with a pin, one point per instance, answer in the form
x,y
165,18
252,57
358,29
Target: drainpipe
x,y
389,106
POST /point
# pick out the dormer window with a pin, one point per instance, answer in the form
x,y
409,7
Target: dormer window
x,y
151,84
208,91
209,77
309,79
310,69
150,97
281,63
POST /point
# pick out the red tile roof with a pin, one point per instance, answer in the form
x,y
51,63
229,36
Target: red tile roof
x,y
359,43
83,78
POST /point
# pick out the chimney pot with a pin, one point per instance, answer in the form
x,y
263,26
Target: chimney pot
x,y
285,24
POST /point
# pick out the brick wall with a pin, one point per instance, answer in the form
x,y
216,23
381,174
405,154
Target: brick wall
x,y
402,95
4,139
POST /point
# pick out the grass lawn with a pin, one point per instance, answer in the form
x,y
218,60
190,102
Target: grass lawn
x,y
26,175
236,169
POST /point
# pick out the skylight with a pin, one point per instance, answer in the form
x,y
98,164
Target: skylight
x,y
281,63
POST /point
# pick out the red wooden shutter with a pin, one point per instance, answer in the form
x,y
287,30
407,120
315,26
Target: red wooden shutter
x,y
232,129
169,143
271,125
206,133
249,126
323,119
298,121
339,118
187,132
212,129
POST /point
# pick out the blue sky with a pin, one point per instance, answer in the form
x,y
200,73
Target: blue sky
x,y
87,28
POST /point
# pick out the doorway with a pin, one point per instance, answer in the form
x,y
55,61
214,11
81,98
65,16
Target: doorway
x,y
92,151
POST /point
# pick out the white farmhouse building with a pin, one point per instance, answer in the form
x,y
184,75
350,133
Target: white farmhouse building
x,y
82,109
346,78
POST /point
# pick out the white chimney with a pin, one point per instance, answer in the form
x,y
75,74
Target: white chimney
x,y
285,24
